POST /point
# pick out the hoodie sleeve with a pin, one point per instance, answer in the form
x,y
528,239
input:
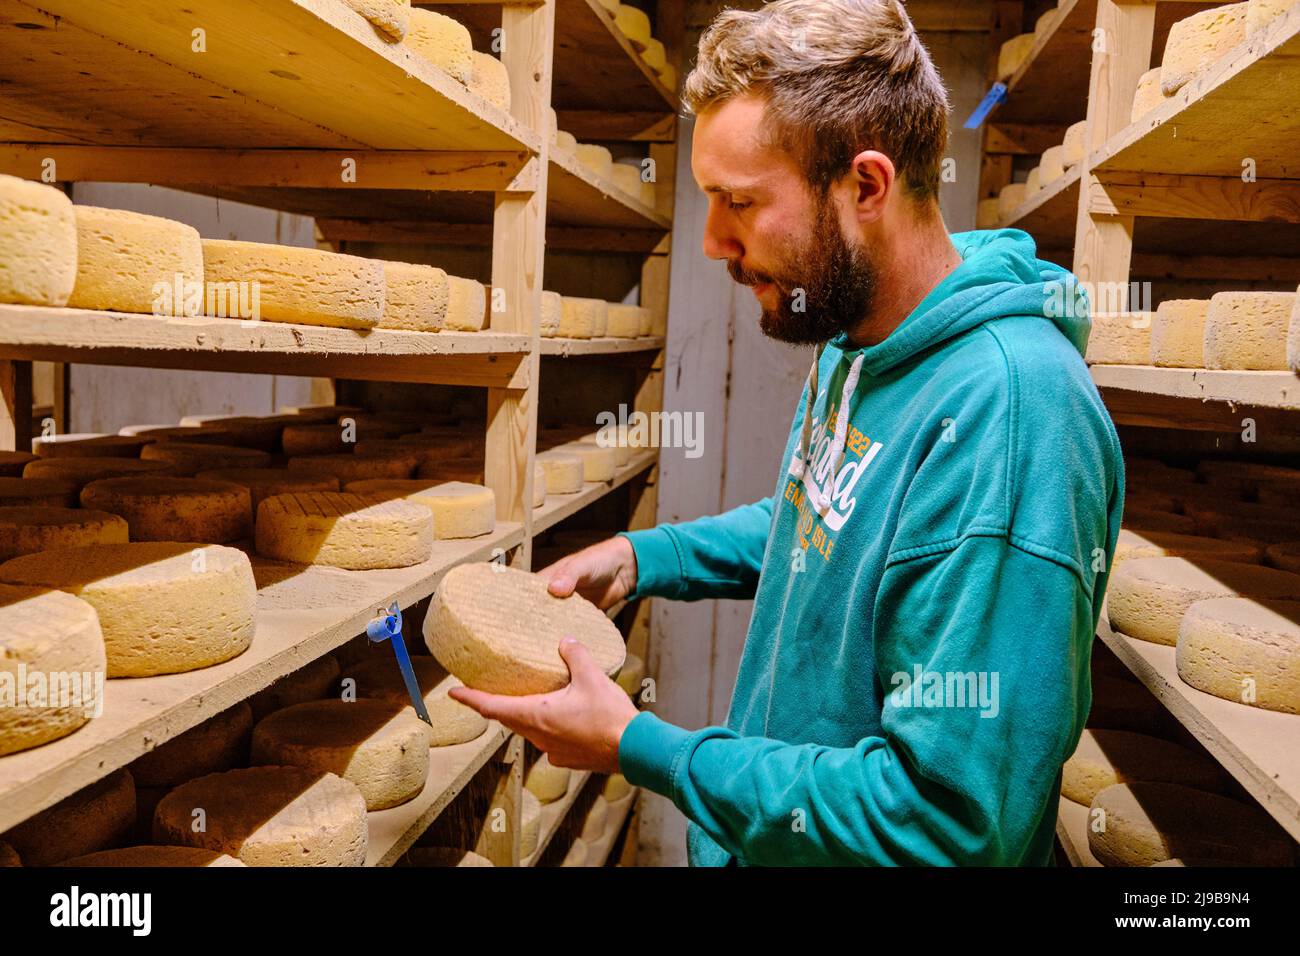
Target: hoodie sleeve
x,y
715,557
943,784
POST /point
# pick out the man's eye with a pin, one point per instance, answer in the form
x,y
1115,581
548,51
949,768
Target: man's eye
x,y
732,204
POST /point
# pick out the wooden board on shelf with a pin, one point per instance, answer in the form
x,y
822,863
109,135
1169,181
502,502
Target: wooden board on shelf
x,y
559,507
202,343
301,615
270,73
1263,389
1258,747
603,346
1049,215
553,815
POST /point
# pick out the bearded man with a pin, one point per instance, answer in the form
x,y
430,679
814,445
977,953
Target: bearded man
x,y
929,570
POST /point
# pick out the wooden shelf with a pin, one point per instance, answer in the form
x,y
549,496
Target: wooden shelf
x,y
395,830
559,507
114,338
1244,105
1072,831
577,196
603,346
302,613
1258,747
1052,85
553,815
276,73
1264,389
598,851
1049,215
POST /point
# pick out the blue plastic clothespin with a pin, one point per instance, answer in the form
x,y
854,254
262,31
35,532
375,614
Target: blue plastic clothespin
x,y
388,627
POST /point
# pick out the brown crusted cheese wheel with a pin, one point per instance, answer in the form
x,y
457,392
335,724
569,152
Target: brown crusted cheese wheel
x,y
28,530
37,492
94,818
189,458
453,722
88,445
82,471
175,509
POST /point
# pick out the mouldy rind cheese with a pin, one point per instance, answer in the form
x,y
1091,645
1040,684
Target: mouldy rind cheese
x,y
1148,95
130,262
1148,597
37,492
269,816
466,305
356,467
1195,42
297,284
1178,333
175,509
415,297
379,745
38,243
343,531
28,530
546,781
1120,339
596,158
442,41
132,857
582,318
1013,53
473,629
94,818
1248,330
219,743
188,459
1244,651
1104,758
1010,197
49,633
390,17
265,482
564,471
460,509
1074,145
452,722
530,823
164,607
88,445
1158,544
625,321
490,79
1147,822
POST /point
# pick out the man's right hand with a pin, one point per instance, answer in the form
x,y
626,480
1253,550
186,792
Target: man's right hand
x,y
604,573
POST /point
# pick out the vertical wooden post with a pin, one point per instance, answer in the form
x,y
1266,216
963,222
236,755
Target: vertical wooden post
x,y
501,845
518,248
16,413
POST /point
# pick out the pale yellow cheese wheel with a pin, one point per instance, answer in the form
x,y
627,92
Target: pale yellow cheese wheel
x,y
616,788
442,41
565,142
132,857
490,79
1034,181
343,530
415,297
627,178
1104,758
474,628
986,214
219,743
552,309
125,261
94,818
56,636
175,509
1248,330
459,509
28,530
381,679
269,816
598,462
466,305
390,18
625,321
190,458
634,24
608,439
353,467
82,471
1244,651
546,781
1148,96
1178,333
1051,165
1009,199
163,607
1196,41
530,823
89,445
1013,54
595,158
564,471
38,243
1261,13
654,55
1074,144
266,482
1120,339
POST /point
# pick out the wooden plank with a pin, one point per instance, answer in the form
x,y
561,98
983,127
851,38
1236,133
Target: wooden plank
x,y
580,197
302,613
569,348
1052,85
577,238
1259,389
212,344
559,507
1050,214
554,813
1256,746
284,73
1023,139
15,405
1194,197
1225,268
621,125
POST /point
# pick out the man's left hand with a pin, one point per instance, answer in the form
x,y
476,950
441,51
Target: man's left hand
x,y
578,726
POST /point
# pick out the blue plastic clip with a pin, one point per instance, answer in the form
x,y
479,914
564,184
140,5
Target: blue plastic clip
x,y
997,94
388,627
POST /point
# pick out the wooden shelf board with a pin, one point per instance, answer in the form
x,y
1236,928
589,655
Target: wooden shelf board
x,y
302,614
275,73
553,815
559,507
1049,215
602,346
395,830
115,338
1243,105
598,850
1265,389
1072,831
1052,85
576,196
1258,747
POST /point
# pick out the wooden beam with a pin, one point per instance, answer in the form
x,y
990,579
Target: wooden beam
x,y
15,405
1194,197
579,238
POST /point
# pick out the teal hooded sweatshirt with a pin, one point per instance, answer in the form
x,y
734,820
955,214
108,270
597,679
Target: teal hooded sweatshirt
x,y
926,590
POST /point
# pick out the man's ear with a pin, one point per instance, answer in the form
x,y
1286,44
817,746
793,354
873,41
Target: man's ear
x,y
873,177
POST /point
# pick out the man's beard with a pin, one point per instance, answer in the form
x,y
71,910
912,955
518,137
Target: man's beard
x,y
825,287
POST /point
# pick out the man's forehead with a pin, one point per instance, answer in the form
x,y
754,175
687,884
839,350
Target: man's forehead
x,y
732,148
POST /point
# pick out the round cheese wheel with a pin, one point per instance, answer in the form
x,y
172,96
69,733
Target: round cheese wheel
x,y
1147,822
312,681
268,816
631,675
124,257
89,445
28,530
56,636
12,463
499,630
1104,758
1178,333
38,243
379,745
265,482
453,722
444,856
37,493
564,471
136,856
546,781
616,788
187,433
1243,651
598,462
350,467
174,509
1143,521
583,318
441,41
593,825
246,431
1248,330
608,440
459,509
163,607
530,823
219,743
466,305
316,439
634,23
596,158
189,458
391,18
344,531
1147,597
415,296
320,413
82,471
94,818
1162,544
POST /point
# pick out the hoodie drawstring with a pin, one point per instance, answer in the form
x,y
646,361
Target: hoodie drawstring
x,y
821,497
805,435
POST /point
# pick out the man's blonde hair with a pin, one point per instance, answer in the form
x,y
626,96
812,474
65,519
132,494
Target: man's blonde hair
x,y
838,76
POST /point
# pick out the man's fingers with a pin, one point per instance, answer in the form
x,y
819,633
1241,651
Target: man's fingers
x,y
508,710
582,666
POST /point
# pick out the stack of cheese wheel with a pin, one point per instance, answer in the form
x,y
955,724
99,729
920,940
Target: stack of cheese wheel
x,y
38,243
1104,758
174,509
248,431
459,509
1147,822
379,745
343,530
546,781
163,607
54,635
1243,651
125,258
472,628
452,722
28,530
97,817
269,816
132,857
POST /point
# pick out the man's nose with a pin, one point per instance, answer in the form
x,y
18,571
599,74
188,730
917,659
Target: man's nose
x,y
719,241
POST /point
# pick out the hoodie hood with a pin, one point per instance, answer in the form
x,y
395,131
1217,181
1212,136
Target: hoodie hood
x,y
1000,276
